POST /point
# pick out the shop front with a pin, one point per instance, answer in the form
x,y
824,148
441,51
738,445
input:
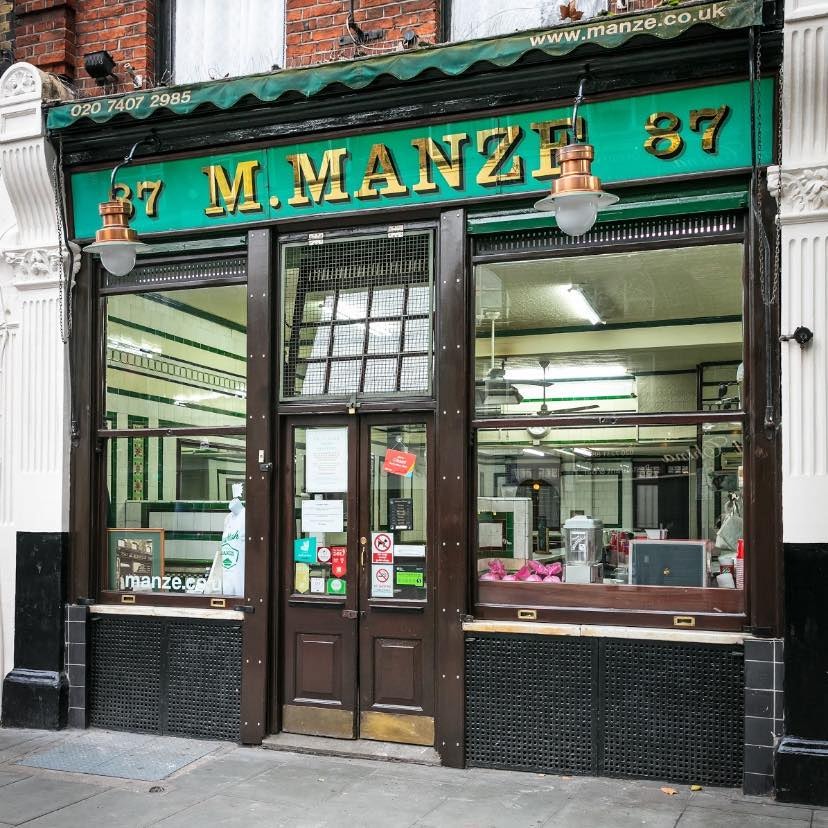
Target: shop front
x,y
374,450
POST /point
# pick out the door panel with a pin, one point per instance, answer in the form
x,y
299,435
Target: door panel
x,y
398,672
319,617
396,631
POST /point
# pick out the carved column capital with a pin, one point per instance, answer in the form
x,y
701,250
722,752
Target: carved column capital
x,y
803,192
40,268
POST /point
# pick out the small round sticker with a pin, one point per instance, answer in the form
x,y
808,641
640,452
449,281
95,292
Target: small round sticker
x,y
323,554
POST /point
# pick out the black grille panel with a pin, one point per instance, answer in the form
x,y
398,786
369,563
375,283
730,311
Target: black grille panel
x,y
674,711
125,673
165,675
636,231
204,679
628,708
529,703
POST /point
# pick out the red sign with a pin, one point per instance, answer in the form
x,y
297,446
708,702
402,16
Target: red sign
x,y
339,565
382,548
399,462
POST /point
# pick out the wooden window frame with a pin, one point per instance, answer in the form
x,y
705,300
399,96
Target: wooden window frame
x,y
757,608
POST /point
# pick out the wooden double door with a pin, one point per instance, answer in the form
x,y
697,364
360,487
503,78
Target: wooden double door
x,y
357,563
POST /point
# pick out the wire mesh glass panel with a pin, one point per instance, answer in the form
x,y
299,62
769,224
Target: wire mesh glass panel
x,y
357,316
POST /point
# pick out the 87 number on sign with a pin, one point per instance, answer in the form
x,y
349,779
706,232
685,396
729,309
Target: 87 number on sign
x,y
665,142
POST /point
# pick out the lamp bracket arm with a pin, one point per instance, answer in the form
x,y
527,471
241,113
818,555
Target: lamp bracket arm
x,y
152,141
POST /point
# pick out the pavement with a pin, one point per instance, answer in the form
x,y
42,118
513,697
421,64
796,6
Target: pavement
x,y
231,785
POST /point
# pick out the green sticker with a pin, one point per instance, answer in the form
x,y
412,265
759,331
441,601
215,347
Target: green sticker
x,y
410,578
336,586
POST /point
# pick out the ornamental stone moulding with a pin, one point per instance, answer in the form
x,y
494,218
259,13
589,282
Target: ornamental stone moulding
x,y
803,191
39,268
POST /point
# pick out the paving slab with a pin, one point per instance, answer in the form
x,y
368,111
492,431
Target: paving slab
x,y
37,795
694,817
229,811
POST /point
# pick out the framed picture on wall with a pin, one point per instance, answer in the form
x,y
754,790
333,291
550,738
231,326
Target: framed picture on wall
x,y
136,558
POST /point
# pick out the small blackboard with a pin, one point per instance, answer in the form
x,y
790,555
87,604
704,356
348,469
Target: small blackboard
x,y
400,513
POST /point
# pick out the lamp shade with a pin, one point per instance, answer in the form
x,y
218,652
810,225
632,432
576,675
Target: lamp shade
x,y
576,195
116,242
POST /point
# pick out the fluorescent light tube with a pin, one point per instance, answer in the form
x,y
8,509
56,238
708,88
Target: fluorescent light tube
x,y
536,452
583,307
584,452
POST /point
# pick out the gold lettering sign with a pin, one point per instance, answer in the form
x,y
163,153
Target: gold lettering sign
x,y
449,166
508,138
381,169
553,136
244,184
331,174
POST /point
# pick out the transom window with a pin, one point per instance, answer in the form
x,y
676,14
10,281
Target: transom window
x,y
358,317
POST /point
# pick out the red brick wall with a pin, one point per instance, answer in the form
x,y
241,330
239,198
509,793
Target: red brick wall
x,y
56,34
314,27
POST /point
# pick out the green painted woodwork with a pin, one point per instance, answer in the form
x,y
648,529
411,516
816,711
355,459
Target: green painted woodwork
x,y
385,168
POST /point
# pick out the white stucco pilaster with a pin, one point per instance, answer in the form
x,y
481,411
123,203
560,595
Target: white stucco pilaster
x,y
802,184
34,391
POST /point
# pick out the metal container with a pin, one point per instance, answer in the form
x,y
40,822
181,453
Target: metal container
x,y
583,539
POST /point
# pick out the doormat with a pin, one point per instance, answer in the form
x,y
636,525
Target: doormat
x,y
122,755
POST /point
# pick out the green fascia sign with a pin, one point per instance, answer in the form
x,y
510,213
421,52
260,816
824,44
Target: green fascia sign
x,y
450,60
643,137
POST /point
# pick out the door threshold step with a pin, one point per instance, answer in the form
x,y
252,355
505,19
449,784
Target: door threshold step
x,y
352,748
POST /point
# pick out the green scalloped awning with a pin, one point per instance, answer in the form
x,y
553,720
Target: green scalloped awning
x,y
451,60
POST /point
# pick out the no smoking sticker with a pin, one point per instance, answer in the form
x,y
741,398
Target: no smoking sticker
x,y
382,548
382,581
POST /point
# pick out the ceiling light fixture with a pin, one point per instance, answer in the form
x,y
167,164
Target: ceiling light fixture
x,y
116,242
583,307
536,452
584,452
576,195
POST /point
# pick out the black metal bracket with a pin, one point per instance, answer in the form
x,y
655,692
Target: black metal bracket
x,y
245,608
266,467
85,602
802,336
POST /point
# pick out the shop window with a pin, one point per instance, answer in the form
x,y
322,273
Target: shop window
x,y
636,332
357,317
177,356
174,394
609,418
631,505
201,41
171,528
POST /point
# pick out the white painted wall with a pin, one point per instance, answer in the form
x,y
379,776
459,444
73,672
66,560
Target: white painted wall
x,y
804,293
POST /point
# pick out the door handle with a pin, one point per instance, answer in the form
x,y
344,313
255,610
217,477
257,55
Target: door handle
x,y
352,615
363,540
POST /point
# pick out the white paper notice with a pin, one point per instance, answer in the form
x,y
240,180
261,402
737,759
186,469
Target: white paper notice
x,y
326,460
409,551
322,515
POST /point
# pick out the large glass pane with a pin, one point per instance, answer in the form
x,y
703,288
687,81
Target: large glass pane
x,y
177,358
399,511
320,517
647,506
176,515
620,332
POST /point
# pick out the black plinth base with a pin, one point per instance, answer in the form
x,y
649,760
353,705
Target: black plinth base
x,y
34,698
802,771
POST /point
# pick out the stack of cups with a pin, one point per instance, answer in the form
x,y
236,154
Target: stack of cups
x,y
740,564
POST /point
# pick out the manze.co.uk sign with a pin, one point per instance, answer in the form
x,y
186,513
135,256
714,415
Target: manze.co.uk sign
x,y
648,136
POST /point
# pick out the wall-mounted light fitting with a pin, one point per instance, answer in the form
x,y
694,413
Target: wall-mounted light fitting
x,y
576,195
116,242
100,66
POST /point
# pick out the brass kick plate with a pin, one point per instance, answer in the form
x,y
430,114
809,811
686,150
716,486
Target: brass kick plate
x,y
396,727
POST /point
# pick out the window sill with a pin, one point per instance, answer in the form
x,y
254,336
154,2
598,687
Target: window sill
x,y
636,606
